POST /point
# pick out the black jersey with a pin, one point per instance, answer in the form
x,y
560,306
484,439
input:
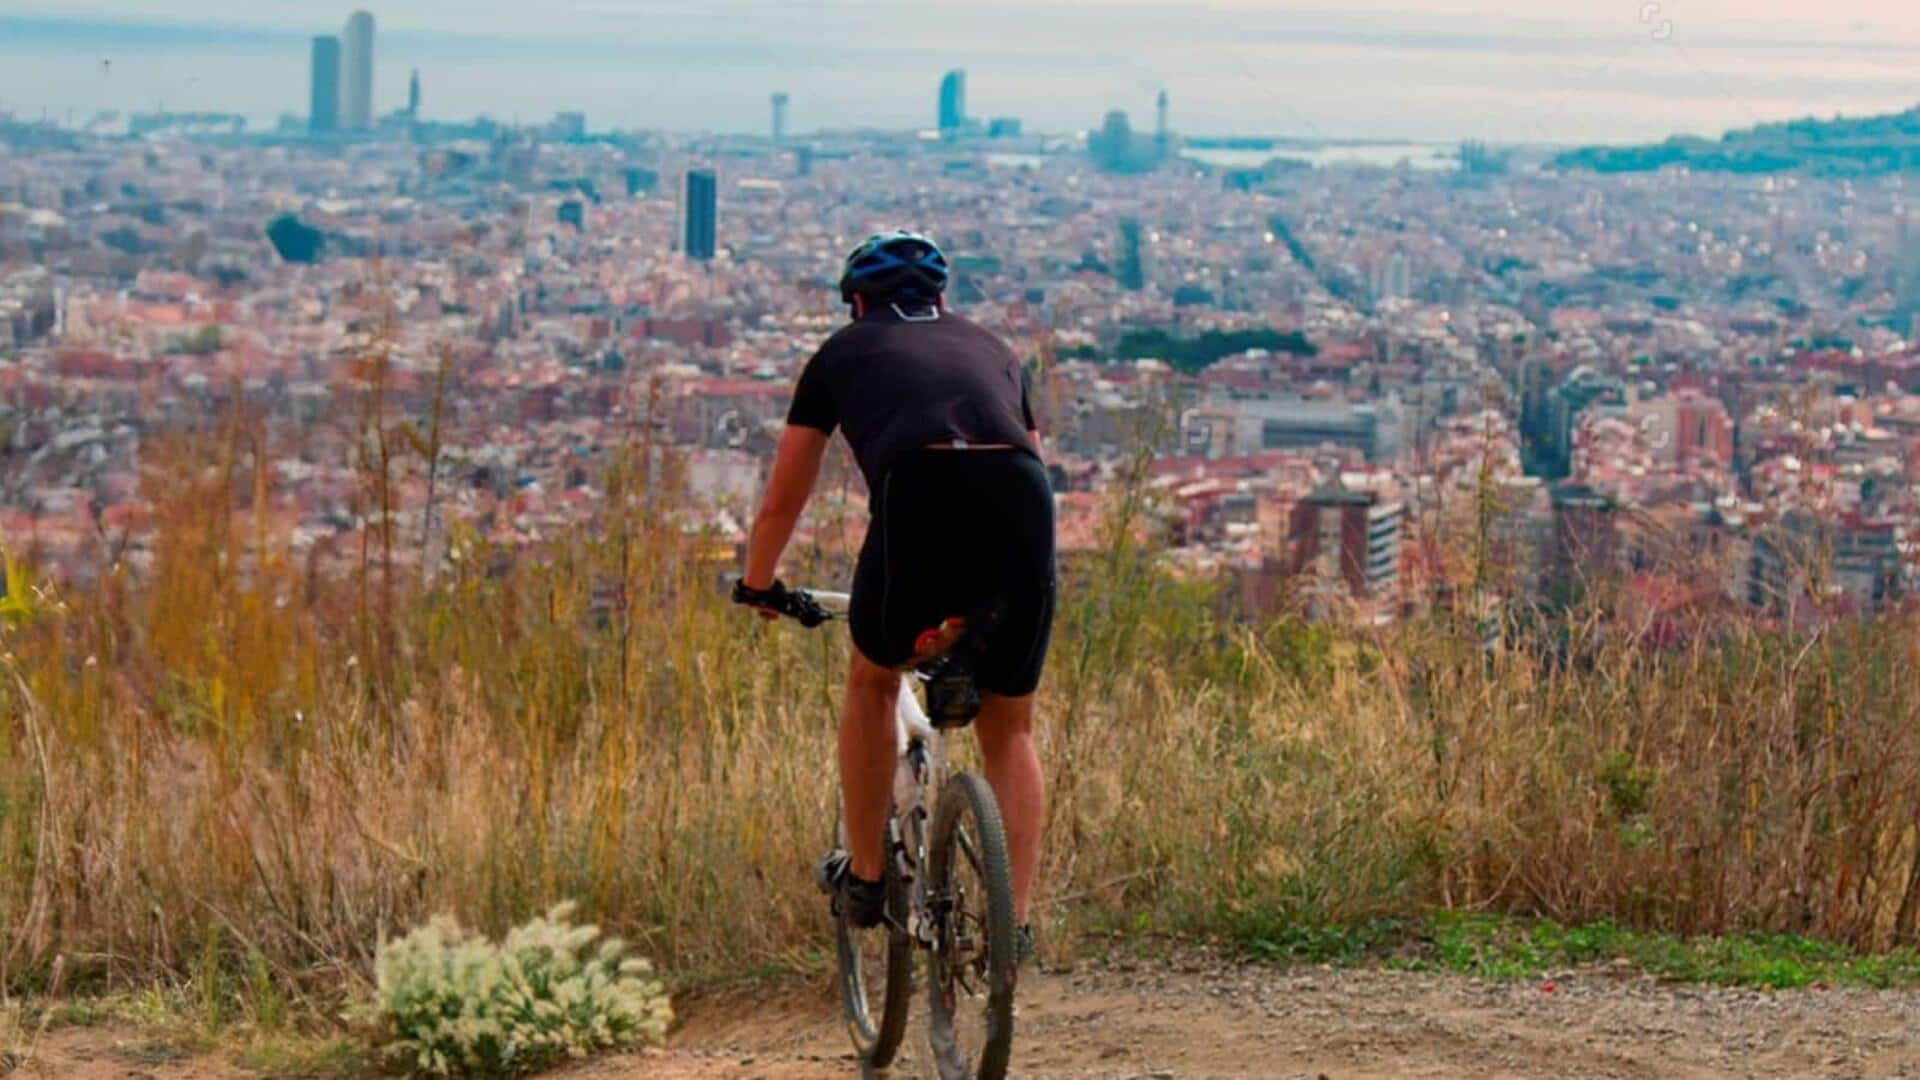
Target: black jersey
x,y
902,383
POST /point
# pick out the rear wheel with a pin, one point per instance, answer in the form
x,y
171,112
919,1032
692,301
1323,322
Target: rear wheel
x,y
971,973
876,976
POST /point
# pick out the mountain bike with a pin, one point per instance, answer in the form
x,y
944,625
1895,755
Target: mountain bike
x,y
949,882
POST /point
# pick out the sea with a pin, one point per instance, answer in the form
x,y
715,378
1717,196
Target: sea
x,y
1627,73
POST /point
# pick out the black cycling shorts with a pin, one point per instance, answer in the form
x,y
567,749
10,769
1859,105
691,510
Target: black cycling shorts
x,y
967,534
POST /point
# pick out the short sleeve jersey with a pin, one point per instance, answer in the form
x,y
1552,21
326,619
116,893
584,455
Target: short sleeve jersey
x,y
897,384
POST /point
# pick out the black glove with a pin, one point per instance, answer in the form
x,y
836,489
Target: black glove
x,y
771,603
780,600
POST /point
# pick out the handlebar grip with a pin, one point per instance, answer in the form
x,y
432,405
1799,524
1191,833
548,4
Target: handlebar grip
x,y
808,610
796,604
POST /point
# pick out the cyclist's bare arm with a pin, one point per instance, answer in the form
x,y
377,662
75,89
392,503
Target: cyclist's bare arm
x,y
796,465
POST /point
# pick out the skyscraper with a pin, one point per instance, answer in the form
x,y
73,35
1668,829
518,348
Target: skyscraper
x,y
953,102
323,113
1112,145
356,73
1162,134
1393,277
1909,274
413,96
779,117
699,214
1132,271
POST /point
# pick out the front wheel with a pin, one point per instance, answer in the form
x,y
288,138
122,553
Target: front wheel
x,y
971,973
876,976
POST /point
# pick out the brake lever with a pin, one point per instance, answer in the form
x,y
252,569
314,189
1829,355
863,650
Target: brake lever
x,y
806,610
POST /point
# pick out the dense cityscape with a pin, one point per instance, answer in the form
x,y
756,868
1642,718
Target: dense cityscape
x,y
1463,379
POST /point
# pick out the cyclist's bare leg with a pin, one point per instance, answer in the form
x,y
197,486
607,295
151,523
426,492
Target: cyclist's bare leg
x,y
868,752
1005,725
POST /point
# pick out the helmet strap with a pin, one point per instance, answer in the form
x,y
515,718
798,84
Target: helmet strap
x,y
931,314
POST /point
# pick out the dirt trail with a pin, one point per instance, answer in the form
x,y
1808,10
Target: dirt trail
x,y
1202,1017
1190,1020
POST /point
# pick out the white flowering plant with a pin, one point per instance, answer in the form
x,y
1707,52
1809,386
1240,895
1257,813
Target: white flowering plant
x,y
452,1003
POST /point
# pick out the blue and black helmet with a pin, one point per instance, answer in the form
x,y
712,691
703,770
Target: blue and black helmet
x,y
899,265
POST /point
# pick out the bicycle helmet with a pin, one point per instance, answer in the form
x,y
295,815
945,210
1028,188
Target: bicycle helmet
x,y
899,265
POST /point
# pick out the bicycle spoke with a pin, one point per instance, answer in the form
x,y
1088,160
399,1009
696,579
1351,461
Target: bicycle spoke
x,y
968,953
972,853
971,1025
876,980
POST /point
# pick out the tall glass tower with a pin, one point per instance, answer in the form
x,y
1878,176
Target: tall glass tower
x,y
323,111
1162,131
1908,271
356,73
953,101
699,214
779,117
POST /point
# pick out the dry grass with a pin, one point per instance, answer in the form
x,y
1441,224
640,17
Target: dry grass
x,y
232,772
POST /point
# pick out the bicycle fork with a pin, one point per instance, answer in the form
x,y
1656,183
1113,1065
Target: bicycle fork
x,y
906,834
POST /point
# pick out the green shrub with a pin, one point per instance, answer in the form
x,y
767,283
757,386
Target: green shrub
x,y
455,1004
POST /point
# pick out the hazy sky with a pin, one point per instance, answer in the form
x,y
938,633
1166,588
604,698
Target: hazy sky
x,y
927,19
1543,70
926,22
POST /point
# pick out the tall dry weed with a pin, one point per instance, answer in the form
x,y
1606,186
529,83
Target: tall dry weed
x,y
223,759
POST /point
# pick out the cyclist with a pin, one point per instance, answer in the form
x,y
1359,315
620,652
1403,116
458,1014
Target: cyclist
x,y
935,408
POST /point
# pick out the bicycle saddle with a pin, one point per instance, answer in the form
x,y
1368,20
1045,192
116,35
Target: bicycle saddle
x,y
953,697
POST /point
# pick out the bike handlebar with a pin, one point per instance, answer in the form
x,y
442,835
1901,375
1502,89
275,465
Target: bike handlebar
x,y
804,606
835,604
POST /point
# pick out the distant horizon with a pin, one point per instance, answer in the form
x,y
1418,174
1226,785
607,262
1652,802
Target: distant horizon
x,y
1304,76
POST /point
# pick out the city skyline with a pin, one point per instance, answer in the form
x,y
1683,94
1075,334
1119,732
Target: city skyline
x,y
1342,343
1420,76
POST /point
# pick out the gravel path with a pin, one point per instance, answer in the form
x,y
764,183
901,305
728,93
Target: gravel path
x,y
1200,1016
1197,1019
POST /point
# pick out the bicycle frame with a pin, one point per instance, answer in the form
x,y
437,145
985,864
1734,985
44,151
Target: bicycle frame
x,y
926,832
920,769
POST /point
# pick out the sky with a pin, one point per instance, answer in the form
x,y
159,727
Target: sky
x,y
1559,71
